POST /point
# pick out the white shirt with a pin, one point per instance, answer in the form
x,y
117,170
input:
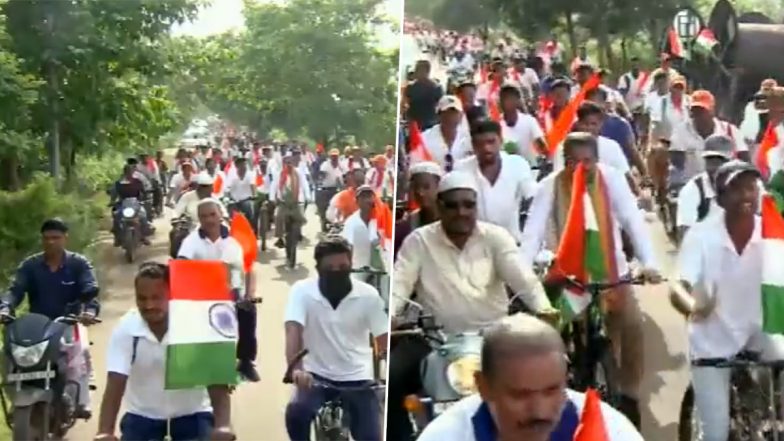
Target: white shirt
x,y
361,236
499,203
241,188
523,134
225,249
662,110
610,154
179,183
188,205
456,423
304,187
355,164
337,339
436,145
625,214
144,391
689,200
333,174
709,262
635,92
775,156
384,186
685,136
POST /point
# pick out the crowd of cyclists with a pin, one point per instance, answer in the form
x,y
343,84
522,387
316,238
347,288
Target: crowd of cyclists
x,y
487,181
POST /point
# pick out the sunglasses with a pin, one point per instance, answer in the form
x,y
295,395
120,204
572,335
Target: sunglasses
x,y
454,205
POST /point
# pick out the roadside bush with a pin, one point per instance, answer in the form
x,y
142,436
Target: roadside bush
x,y
23,212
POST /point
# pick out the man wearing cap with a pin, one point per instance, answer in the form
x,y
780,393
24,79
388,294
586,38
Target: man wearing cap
x,y
354,159
697,199
362,234
503,181
330,180
466,93
699,126
488,91
719,289
188,204
459,268
445,141
755,115
422,97
424,178
181,182
380,178
522,134
582,74
614,202
291,191
558,97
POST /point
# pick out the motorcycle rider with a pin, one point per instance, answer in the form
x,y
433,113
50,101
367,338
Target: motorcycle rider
x,y
181,182
548,214
57,282
331,316
459,268
523,392
127,187
135,376
424,178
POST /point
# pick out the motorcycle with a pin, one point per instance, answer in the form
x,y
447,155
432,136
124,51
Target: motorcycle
x,y
180,228
130,227
41,355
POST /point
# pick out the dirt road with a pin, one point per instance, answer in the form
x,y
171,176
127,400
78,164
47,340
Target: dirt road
x,y
257,409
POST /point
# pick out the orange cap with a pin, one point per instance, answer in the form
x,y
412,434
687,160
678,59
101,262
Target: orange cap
x,y
704,99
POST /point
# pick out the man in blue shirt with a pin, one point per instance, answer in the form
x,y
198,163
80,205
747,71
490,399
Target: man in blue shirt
x,y
56,282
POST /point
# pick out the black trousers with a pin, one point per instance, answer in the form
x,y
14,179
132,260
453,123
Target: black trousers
x,y
246,343
404,379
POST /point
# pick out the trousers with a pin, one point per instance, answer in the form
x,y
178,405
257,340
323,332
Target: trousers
x,y
195,427
247,347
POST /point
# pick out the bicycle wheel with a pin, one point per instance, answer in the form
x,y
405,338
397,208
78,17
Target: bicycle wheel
x,y
605,374
263,227
291,244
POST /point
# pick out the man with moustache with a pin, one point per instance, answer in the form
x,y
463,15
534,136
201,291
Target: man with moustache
x,y
522,392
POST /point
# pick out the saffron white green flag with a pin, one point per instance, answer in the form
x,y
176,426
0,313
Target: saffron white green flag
x,y
202,335
705,41
772,270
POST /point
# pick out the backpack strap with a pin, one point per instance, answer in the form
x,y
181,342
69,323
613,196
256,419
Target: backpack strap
x,y
133,352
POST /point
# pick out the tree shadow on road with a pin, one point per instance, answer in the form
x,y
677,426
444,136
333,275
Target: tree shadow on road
x,y
659,364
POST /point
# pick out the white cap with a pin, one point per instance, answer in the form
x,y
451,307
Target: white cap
x,y
449,102
426,167
204,179
457,180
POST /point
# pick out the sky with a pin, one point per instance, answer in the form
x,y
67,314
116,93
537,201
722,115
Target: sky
x,y
223,15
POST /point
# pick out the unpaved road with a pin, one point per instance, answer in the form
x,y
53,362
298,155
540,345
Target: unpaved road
x,y
257,409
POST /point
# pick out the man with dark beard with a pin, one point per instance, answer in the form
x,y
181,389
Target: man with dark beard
x,y
331,316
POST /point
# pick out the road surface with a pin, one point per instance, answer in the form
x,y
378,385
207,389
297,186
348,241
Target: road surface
x,y
257,409
666,371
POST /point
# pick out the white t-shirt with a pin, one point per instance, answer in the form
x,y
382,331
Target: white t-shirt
x,y
499,204
436,145
188,205
241,188
685,137
456,423
610,153
333,174
337,338
179,182
361,236
225,249
144,391
523,134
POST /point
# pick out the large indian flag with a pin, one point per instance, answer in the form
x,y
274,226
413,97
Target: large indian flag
x,y
581,251
202,326
772,272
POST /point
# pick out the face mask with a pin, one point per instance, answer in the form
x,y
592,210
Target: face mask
x,y
335,285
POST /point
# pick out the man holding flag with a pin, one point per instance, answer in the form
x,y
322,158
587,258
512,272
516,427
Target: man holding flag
x,y
612,208
523,394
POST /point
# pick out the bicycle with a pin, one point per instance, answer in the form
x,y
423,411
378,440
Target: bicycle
x,y
332,422
292,236
592,363
263,220
755,388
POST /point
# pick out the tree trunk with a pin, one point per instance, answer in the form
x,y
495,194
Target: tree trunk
x,y
9,174
54,105
624,56
572,37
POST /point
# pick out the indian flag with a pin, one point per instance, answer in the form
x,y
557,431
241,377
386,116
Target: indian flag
x,y
382,222
202,326
772,273
705,41
581,251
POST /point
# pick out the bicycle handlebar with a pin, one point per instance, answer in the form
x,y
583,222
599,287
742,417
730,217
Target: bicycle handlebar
x,y
290,368
368,270
596,287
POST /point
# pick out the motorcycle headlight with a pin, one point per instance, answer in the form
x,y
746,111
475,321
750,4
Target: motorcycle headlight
x,y
128,212
28,356
460,374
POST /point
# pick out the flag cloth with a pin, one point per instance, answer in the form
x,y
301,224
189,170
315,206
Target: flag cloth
x,y
495,112
202,336
243,232
772,273
769,140
586,248
563,124
674,44
591,426
259,180
705,41
417,149
217,185
382,221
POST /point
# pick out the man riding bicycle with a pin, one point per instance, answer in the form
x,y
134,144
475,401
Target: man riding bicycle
x,y
291,190
331,316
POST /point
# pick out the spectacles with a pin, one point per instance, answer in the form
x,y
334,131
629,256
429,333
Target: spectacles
x,y
454,205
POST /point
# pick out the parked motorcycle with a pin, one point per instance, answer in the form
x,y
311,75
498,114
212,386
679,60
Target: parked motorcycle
x,y
41,357
130,227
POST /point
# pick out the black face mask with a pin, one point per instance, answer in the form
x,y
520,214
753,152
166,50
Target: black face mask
x,y
335,285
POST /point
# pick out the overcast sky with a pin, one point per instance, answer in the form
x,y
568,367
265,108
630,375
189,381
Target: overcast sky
x,y
223,15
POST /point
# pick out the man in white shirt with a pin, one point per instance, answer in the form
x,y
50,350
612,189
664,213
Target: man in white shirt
x,y
331,317
291,193
522,134
697,199
522,353
702,123
460,269
181,182
212,241
526,78
633,85
188,206
462,61
361,233
241,188
545,227
445,141
720,273
136,366
504,181
330,177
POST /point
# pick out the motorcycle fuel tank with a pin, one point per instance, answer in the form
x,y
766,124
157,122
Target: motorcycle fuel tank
x,y
447,372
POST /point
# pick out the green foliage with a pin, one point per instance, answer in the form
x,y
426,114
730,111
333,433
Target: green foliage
x,y
22,213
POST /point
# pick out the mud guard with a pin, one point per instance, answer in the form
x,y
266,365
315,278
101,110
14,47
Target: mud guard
x,y
28,396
